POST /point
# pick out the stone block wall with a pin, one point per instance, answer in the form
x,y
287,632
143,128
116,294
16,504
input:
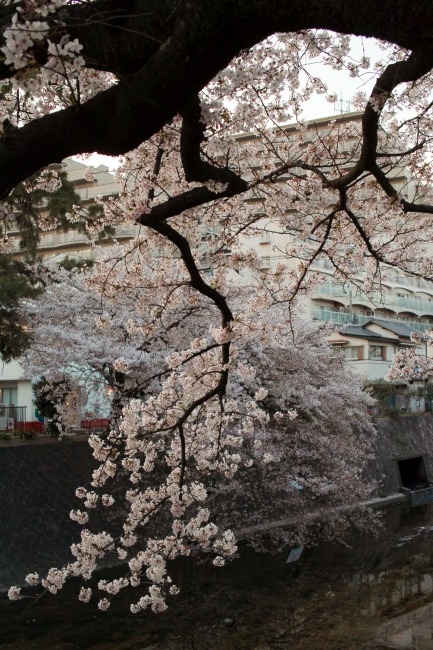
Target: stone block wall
x,y
38,483
399,438
37,492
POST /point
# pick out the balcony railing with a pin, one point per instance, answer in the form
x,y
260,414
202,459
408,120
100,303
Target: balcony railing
x,y
331,290
55,239
413,303
412,282
337,317
340,318
402,281
376,298
10,415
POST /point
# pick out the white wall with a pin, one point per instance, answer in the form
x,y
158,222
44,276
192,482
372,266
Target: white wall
x,y
14,373
25,398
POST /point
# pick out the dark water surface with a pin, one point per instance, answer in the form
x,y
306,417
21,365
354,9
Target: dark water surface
x,y
377,593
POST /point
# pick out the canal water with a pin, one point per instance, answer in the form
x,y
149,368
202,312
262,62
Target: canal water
x,y
376,592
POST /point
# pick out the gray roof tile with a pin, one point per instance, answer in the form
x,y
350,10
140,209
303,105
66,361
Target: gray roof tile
x,y
357,330
398,327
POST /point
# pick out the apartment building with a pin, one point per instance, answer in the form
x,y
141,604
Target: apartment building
x,y
386,318
58,244
16,396
369,329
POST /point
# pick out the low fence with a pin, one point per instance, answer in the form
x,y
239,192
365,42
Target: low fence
x,y
21,427
28,427
101,423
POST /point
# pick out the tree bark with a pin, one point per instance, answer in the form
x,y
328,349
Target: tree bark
x,y
165,52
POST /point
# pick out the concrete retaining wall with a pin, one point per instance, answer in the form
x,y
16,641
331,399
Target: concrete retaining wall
x,y
38,482
401,438
37,492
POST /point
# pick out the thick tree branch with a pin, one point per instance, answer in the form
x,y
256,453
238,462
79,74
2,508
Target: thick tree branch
x,y
117,37
196,279
414,67
219,301
185,201
196,169
201,41
416,207
201,195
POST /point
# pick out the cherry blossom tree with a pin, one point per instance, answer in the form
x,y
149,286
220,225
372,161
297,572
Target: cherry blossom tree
x,y
194,95
412,363
190,467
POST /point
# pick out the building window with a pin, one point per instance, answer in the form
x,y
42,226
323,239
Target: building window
x,y
9,396
377,352
83,192
354,353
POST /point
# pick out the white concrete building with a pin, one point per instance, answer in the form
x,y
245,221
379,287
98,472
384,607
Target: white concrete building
x,y
15,384
394,309
369,329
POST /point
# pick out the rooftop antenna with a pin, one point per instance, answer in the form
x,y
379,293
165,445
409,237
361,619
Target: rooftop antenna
x,y
341,105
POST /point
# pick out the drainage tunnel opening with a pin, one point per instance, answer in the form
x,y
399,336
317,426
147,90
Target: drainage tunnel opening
x,y
412,473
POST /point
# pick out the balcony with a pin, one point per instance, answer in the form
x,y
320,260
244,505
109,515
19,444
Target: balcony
x,y
323,263
376,299
418,283
340,318
354,294
10,415
413,303
53,240
73,238
337,317
336,291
